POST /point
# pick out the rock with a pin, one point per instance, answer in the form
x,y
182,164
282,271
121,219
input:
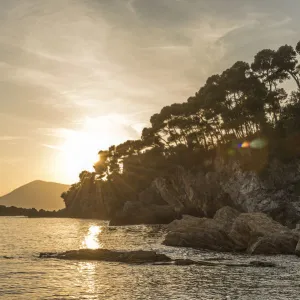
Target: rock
x,y
297,250
131,257
151,196
200,233
226,216
274,244
230,230
274,193
135,213
140,257
187,193
263,264
248,227
184,262
184,223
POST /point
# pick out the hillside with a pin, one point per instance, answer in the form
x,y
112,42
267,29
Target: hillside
x,y
37,194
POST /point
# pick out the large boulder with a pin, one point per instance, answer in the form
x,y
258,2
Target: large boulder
x,y
226,217
274,244
230,230
248,227
200,233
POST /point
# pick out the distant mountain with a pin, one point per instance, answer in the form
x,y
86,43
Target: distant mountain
x,y
37,194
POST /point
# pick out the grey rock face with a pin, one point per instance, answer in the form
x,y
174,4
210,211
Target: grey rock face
x,y
199,194
203,194
274,194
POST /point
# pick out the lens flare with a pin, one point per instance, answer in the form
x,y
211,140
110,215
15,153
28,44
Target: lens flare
x,y
245,145
258,144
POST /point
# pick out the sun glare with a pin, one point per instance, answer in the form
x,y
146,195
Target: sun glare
x,y
80,148
91,240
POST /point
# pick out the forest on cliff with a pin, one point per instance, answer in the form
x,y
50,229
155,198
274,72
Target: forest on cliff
x,y
245,113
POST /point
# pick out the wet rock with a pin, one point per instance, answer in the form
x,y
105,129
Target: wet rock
x,y
130,257
184,262
274,244
263,264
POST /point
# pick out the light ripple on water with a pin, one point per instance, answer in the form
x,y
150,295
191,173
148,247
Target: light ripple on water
x,y
25,276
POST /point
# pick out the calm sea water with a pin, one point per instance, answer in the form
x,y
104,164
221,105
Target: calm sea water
x,y
24,276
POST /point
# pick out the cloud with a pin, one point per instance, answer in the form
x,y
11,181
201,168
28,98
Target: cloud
x,y
118,62
11,138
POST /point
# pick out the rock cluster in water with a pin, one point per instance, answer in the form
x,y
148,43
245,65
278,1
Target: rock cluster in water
x,y
232,231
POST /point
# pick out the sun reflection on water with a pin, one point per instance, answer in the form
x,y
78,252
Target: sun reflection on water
x,y
91,240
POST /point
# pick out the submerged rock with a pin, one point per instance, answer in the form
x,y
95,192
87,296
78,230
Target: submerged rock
x,y
131,257
264,264
141,257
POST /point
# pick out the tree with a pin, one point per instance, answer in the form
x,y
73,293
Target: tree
x,y
286,61
240,103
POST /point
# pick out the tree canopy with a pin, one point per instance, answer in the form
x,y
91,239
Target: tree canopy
x,y
247,102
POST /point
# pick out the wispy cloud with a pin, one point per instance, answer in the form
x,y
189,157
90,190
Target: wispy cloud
x,y
59,148
11,138
118,62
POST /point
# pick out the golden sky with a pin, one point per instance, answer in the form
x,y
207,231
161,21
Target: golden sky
x,y
80,75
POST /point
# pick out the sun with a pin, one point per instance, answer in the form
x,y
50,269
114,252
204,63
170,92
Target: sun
x,y
79,150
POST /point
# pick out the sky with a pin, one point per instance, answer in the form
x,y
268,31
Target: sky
x,y
77,76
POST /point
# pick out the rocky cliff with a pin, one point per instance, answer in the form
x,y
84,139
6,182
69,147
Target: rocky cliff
x,y
275,192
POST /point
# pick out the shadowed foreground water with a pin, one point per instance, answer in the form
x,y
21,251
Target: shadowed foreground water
x,y
24,276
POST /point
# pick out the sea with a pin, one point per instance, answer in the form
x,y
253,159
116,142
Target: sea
x,y
23,275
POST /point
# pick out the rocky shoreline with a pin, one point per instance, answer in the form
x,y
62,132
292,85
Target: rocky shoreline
x,y
232,231
228,209
200,193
